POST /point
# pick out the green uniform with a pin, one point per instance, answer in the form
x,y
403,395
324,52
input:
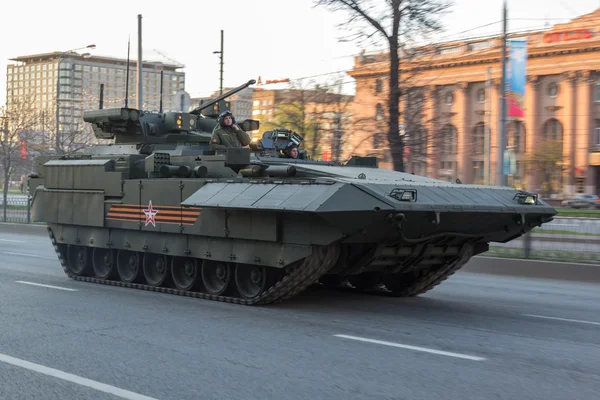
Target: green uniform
x,y
224,137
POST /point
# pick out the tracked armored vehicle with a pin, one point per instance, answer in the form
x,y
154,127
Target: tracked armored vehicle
x,y
157,210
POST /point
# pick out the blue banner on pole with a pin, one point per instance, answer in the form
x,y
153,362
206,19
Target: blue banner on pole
x,y
510,162
516,73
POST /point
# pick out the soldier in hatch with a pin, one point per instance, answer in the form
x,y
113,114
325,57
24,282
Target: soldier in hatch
x,y
291,151
228,134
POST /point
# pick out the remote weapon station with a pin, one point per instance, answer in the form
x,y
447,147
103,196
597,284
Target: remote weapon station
x,y
156,210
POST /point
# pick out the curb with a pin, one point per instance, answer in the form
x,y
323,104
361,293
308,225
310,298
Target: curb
x,y
28,229
515,267
576,272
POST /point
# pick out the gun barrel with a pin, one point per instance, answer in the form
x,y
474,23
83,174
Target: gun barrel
x,y
210,103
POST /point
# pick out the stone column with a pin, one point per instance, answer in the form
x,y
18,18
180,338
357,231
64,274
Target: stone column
x,y
532,131
569,133
465,132
584,129
434,128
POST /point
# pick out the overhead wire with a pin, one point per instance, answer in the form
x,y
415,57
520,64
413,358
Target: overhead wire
x,y
448,38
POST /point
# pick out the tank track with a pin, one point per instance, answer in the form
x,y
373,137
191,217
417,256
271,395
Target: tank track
x,y
297,279
430,278
427,278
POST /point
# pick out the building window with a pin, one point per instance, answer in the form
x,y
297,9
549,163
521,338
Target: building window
x,y
597,91
553,130
516,136
478,172
377,140
478,138
481,95
417,142
597,133
449,98
449,145
379,112
378,86
553,90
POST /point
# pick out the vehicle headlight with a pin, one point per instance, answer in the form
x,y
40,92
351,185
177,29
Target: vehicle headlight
x,y
529,200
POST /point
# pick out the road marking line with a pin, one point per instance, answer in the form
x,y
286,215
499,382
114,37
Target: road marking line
x,y
12,241
404,346
47,286
563,319
102,387
25,254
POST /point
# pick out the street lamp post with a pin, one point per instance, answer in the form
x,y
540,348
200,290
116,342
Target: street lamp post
x,y
60,59
7,167
220,53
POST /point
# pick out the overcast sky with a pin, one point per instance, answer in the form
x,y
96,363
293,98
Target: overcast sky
x,y
273,39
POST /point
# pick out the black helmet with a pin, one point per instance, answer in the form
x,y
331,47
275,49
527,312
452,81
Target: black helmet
x,y
223,115
288,149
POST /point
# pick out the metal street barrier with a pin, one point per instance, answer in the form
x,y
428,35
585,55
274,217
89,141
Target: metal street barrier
x,y
16,209
566,239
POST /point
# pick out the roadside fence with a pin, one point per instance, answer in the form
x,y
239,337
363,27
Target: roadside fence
x,y
566,238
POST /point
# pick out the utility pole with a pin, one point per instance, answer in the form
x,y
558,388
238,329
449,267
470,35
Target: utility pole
x,y
220,53
502,127
488,134
221,77
140,82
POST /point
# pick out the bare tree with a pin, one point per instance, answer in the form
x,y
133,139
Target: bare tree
x,y
547,158
313,111
291,111
420,121
18,123
73,133
397,22
332,112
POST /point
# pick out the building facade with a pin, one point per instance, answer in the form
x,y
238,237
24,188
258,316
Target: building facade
x,y
63,85
450,110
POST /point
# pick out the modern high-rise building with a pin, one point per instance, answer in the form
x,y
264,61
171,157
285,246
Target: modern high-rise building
x,y
64,84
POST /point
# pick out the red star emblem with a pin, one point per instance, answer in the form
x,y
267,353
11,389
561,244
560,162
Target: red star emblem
x,y
150,213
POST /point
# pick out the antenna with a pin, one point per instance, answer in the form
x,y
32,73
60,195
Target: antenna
x,y
127,78
161,89
101,106
140,63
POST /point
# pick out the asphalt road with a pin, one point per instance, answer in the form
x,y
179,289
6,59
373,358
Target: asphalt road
x,y
473,337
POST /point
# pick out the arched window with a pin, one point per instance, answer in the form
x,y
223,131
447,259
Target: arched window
x,y
516,136
418,142
479,138
449,140
553,130
378,86
379,112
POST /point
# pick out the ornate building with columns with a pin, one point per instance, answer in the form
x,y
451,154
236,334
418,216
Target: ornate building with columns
x,y
450,107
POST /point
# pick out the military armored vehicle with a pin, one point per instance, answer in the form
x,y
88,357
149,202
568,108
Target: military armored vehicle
x,y
157,210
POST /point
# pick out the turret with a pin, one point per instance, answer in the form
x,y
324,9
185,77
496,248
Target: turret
x,y
128,125
276,141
